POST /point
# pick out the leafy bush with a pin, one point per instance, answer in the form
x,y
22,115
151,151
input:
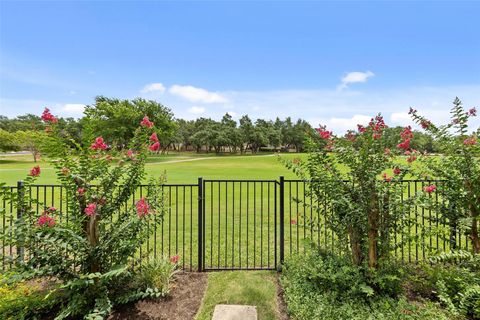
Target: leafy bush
x,y
158,274
454,279
25,300
459,166
151,280
322,286
91,252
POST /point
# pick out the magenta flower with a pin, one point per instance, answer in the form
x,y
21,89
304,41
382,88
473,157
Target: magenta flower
x,y
146,122
430,189
425,124
397,171
324,134
91,209
46,220
293,222
470,141
142,207
174,259
99,144
35,171
406,134
472,112
405,145
154,137
155,146
81,191
48,117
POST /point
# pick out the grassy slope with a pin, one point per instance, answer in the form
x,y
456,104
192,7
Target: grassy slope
x,y
255,288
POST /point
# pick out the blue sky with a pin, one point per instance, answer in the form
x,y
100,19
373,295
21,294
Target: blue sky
x,y
336,63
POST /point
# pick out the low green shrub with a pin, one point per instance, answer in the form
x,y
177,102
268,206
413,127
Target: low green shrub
x,y
319,285
452,278
25,300
152,280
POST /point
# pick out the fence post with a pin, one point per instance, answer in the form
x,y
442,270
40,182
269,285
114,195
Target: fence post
x,y
200,224
282,219
20,208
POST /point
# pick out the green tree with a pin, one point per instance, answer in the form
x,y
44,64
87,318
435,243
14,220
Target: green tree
x,y
116,120
8,141
31,141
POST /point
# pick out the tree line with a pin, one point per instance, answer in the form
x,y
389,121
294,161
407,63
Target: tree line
x,y
116,120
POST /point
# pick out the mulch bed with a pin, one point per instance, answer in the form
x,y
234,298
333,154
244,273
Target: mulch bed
x,y
282,313
183,302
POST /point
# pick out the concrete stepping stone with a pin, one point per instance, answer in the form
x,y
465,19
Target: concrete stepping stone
x,y
234,312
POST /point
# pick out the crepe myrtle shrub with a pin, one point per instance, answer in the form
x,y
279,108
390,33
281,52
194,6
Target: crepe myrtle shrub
x,y
357,182
89,250
458,165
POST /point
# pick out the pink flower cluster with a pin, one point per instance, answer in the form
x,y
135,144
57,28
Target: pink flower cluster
x,y
46,220
99,144
156,145
146,122
91,209
130,154
35,171
377,124
324,134
425,124
470,141
406,136
386,177
142,207
430,189
472,112
174,259
397,171
48,117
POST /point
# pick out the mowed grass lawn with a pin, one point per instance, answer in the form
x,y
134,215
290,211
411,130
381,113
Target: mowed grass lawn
x,y
179,167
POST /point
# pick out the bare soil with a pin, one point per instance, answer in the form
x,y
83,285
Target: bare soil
x,y
182,303
282,313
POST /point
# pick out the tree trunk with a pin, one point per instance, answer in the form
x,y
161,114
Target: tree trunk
x,y
474,230
373,217
93,238
355,246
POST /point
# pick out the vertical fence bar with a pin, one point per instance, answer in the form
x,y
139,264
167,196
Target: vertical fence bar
x,y
200,224
282,219
20,208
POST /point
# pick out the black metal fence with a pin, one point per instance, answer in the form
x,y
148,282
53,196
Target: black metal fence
x,y
241,224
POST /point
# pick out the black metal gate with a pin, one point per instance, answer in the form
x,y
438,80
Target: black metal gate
x,y
239,220
236,224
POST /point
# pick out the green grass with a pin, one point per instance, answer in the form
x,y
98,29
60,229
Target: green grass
x,y
180,168
256,288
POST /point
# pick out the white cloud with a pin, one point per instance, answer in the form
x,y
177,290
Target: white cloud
x,y
194,94
344,124
355,77
153,87
401,118
73,108
196,110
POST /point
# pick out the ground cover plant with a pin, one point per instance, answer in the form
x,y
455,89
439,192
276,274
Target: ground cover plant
x,y
90,254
